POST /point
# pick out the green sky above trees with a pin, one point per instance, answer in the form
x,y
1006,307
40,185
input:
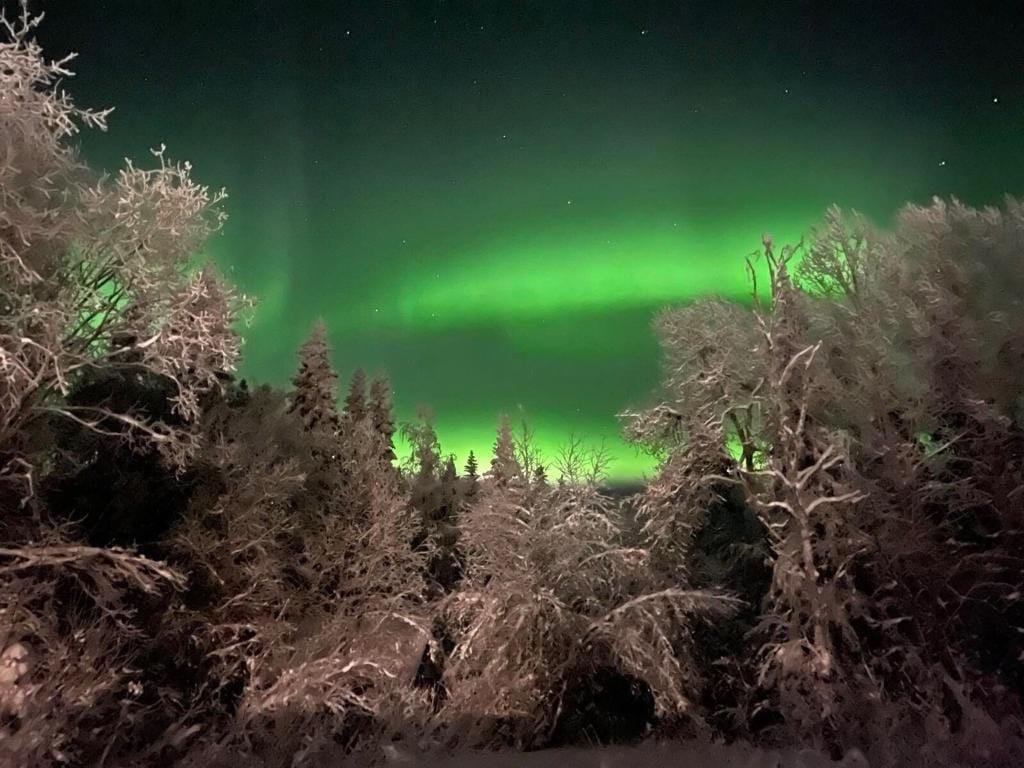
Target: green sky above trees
x,y
490,204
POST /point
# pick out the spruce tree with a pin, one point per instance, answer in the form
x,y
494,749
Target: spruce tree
x,y
504,466
445,565
381,416
472,467
471,478
426,448
355,401
316,384
540,476
450,487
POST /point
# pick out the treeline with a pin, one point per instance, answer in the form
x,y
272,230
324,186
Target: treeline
x,y
197,572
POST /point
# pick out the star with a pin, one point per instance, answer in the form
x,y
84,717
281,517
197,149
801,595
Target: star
x,y
942,162
995,100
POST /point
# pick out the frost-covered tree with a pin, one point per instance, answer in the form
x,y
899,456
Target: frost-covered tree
x,y
445,564
866,411
87,263
100,285
505,467
424,460
355,400
380,410
553,598
449,482
315,384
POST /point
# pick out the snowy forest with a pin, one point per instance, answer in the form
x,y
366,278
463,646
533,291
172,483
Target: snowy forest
x,y
201,571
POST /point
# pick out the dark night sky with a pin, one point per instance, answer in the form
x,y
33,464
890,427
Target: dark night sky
x,y
490,200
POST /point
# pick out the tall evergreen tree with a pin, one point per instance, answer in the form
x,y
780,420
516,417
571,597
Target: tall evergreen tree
x,y
504,465
425,459
381,415
445,564
472,467
355,400
472,476
449,483
316,384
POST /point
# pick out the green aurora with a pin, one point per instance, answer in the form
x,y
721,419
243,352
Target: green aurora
x,y
490,204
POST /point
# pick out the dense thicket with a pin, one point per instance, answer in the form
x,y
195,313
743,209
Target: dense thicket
x,y
195,572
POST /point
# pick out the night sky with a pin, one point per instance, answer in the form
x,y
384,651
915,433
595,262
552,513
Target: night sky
x,y
489,200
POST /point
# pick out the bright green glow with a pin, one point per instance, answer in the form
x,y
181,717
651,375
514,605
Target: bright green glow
x,y
581,269
411,183
460,435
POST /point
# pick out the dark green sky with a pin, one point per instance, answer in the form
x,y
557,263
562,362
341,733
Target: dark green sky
x,y
489,200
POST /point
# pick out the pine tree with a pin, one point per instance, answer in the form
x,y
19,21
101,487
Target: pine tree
x,y
449,480
316,384
381,416
540,476
355,401
471,467
504,466
426,450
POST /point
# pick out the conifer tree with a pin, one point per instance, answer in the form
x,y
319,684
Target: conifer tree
x,y
540,476
316,384
504,466
472,467
472,475
381,416
449,481
355,401
426,450
445,565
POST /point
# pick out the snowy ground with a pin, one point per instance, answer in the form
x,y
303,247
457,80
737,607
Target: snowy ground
x,y
643,756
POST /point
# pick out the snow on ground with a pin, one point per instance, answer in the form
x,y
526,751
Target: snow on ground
x,y
674,755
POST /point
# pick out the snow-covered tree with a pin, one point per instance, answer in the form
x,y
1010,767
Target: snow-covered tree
x,y
866,410
382,418
355,400
96,273
315,394
505,466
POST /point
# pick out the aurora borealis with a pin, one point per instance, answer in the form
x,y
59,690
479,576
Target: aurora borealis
x,y
489,201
